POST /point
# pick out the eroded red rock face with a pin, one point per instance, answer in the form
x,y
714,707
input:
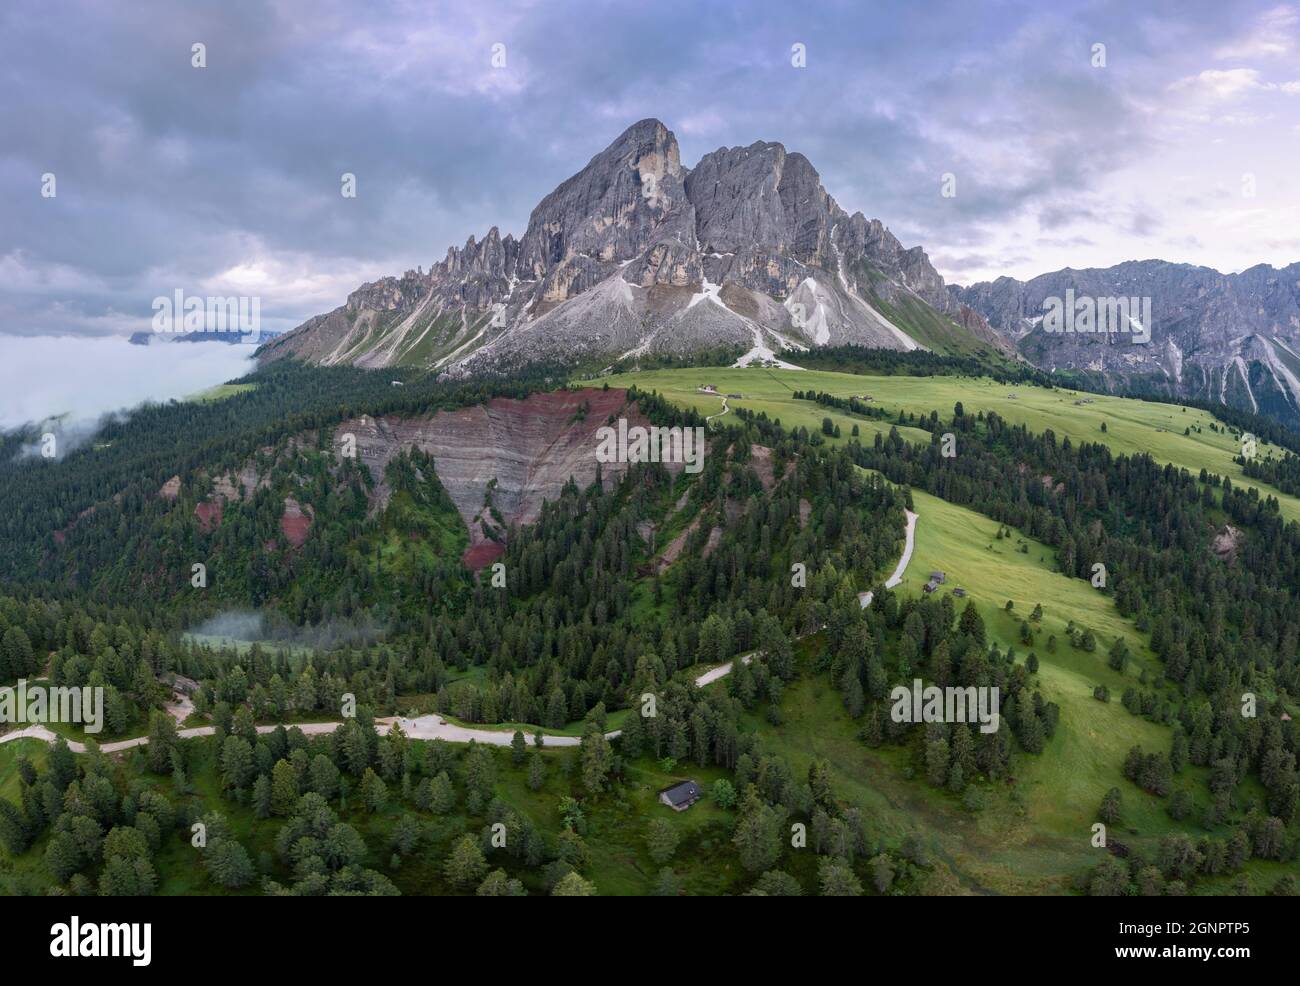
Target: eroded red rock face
x,y
531,448
483,554
209,514
294,523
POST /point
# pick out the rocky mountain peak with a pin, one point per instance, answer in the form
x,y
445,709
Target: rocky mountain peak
x,y
606,214
636,253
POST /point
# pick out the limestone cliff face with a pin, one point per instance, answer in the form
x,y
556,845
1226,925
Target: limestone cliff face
x,y
630,197
763,197
637,254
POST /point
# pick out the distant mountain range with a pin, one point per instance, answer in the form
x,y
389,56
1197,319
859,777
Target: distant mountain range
x,y
1227,338
637,255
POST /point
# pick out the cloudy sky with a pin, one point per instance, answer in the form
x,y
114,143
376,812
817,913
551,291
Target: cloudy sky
x,y
226,179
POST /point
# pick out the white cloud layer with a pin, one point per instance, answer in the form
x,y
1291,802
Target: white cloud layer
x,y
46,376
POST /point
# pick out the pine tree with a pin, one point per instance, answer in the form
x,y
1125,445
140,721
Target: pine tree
x,y
757,837
262,796
518,748
284,788
661,839
596,759
324,777
465,865
557,709
972,625
14,834
536,772
442,796
16,654
162,739
936,761
62,855
374,792
498,884
724,794
227,863
837,878
236,762
406,834
882,872
1110,806
778,883
1109,879
1031,735
574,885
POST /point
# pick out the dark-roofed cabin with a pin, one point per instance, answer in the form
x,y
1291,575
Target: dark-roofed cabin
x,y
681,796
931,586
938,577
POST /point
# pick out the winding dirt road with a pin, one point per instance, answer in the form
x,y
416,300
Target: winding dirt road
x,y
719,414
421,727
864,598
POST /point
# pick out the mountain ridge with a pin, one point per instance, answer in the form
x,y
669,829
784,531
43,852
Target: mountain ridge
x,y
1227,338
636,254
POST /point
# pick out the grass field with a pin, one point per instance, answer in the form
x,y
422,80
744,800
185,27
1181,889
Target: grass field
x,y
1132,426
220,392
9,754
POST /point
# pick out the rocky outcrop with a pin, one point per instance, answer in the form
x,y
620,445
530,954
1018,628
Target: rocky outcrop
x,y
1225,542
637,254
295,522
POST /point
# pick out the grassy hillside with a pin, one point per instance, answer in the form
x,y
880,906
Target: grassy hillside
x,y
220,392
9,755
1028,832
1132,426
934,331
1034,835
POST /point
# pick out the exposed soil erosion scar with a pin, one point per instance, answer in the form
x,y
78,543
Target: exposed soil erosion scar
x,y
531,447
